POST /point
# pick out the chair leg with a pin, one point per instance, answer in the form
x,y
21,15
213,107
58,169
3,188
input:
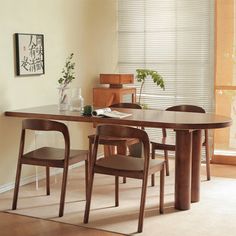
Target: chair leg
x,y
142,205
86,178
88,201
124,180
122,149
153,175
117,191
108,150
63,191
162,183
90,152
88,168
17,184
48,179
208,171
167,162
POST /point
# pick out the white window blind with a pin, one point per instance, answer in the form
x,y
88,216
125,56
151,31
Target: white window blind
x,y
176,38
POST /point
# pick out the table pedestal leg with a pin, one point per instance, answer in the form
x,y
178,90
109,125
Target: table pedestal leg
x,y
183,162
196,165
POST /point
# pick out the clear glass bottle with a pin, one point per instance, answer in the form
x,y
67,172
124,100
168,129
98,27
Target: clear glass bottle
x,y
77,101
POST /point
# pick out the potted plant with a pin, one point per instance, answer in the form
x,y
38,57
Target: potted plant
x,y
143,74
68,75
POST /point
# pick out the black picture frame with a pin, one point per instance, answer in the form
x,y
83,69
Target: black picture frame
x,y
29,54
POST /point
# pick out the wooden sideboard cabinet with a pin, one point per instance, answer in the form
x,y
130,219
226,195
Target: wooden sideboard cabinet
x,y
106,96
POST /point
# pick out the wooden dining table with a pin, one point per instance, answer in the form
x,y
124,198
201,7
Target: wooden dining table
x,y
188,127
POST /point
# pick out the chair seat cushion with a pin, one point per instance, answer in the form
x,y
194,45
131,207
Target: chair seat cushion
x,y
50,153
167,143
120,162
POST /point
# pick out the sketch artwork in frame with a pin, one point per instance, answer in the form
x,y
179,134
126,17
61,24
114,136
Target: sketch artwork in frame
x,y
29,54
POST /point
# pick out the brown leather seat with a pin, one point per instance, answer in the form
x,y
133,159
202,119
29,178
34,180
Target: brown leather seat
x,y
126,163
48,154
168,143
126,166
49,157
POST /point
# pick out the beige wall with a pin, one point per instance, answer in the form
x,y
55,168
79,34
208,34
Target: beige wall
x,y
85,27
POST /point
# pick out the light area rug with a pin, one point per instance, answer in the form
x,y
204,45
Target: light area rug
x,y
214,215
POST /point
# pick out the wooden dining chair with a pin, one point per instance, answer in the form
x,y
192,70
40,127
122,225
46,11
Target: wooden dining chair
x,y
49,157
121,143
168,143
126,166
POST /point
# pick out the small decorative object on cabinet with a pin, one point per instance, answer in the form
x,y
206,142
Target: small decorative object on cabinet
x,y
116,80
106,96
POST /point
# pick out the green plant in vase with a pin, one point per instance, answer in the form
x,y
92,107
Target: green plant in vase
x,y
142,75
68,75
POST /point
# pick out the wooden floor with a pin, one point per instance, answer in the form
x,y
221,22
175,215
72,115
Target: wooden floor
x,y
16,225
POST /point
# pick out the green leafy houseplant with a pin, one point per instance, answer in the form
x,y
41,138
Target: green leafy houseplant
x,y
143,74
68,75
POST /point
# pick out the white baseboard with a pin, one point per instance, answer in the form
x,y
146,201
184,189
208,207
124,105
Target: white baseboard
x,y
32,178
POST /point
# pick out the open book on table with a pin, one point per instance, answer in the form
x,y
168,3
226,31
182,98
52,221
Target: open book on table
x,y
107,112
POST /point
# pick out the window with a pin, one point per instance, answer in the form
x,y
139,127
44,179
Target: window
x,y
176,38
225,80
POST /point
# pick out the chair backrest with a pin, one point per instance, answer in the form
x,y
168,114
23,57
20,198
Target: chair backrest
x,y
185,108
45,125
127,105
136,149
122,132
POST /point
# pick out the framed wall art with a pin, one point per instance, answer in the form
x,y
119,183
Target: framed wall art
x,y
29,54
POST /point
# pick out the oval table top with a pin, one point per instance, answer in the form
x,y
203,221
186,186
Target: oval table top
x,y
138,117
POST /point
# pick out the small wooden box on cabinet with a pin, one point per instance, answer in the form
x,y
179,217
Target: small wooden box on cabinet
x,y
104,97
118,79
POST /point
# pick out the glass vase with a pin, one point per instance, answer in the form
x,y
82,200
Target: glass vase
x,y
63,98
